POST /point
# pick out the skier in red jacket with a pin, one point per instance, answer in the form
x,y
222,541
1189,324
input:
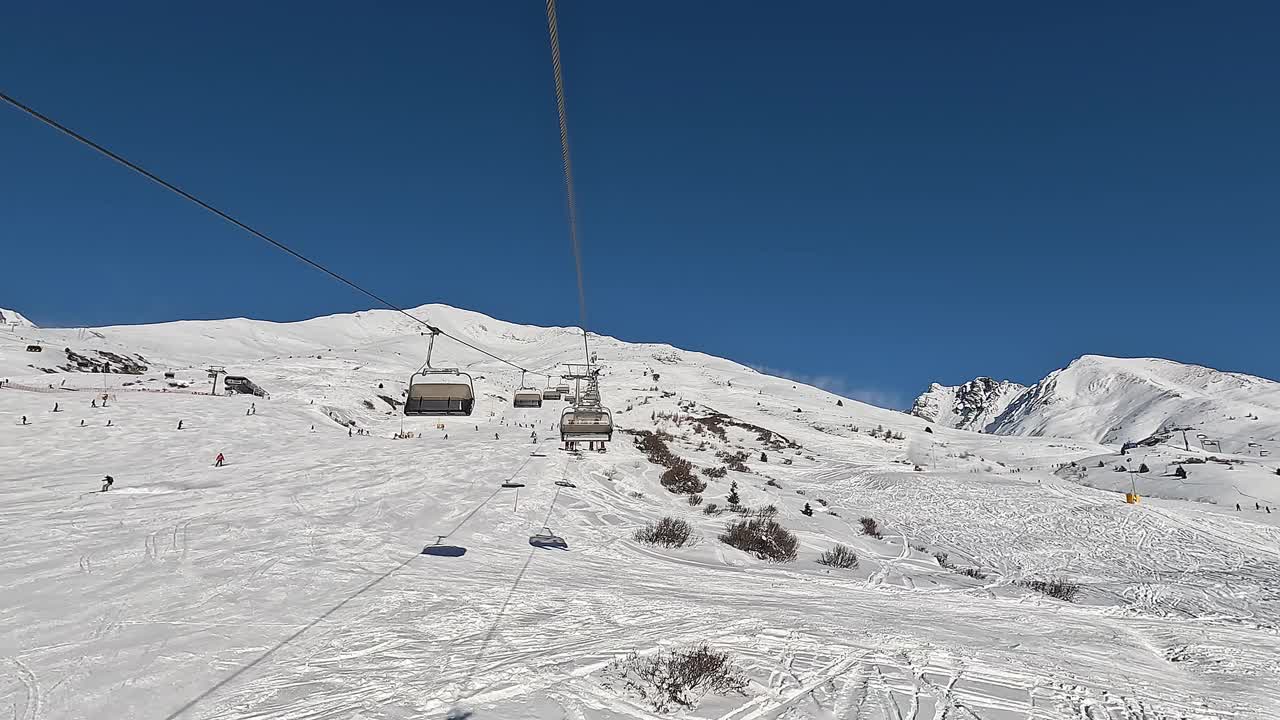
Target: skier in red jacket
x,y
217,462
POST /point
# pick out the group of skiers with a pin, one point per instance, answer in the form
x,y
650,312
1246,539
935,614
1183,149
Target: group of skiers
x,y
1256,506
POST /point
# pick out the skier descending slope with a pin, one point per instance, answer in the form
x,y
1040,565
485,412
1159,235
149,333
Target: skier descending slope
x,y
107,482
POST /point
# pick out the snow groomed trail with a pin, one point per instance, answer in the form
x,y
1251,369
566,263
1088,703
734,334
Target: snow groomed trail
x,y
293,582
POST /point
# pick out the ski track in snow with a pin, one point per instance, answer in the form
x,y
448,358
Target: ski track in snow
x,y
292,584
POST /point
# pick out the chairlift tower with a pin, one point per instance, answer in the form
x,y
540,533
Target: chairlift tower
x,y
214,372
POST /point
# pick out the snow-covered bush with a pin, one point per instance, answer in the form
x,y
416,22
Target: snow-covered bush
x,y
840,556
676,678
762,537
667,532
679,478
870,527
1054,588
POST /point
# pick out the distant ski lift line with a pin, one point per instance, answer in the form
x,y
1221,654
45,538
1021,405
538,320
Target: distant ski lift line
x,y
247,228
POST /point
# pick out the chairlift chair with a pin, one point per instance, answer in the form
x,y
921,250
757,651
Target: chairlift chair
x,y
586,423
548,539
526,397
562,389
439,391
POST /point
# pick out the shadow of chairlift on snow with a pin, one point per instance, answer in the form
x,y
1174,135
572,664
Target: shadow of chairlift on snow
x,y
442,550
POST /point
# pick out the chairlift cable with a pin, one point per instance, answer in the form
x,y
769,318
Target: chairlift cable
x,y
572,204
243,226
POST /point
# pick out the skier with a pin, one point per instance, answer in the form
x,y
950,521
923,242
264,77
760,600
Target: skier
x,y
108,423
446,436
107,482
81,422
93,403
349,433
253,408
179,424
24,421
55,407
1237,507
217,462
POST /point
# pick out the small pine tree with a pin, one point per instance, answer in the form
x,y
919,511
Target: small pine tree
x,y
928,429
1143,468
1180,472
1278,471
839,403
807,510
733,493
764,458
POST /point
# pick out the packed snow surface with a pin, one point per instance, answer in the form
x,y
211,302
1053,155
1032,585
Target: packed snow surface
x,y
293,582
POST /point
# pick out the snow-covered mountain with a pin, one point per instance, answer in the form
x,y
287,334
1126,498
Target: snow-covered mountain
x,y
350,562
12,318
1111,401
971,406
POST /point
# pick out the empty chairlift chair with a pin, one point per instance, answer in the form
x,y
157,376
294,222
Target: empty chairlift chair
x,y
527,397
579,424
439,391
550,394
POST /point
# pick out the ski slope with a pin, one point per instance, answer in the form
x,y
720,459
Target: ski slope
x,y
292,582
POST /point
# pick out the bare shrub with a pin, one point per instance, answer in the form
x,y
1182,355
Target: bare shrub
x,y
636,494
679,478
840,556
762,537
677,678
695,499
667,532
974,573
1054,587
711,509
943,559
716,472
773,483
870,527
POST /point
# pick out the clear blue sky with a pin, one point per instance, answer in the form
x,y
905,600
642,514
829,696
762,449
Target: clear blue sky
x,y
874,195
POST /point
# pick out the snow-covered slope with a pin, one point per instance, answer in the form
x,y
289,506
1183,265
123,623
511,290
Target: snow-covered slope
x,y
1113,400
971,406
13,318
329,573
